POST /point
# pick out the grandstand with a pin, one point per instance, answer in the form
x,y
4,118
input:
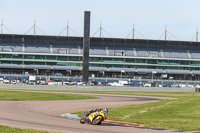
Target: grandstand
x,y
109,57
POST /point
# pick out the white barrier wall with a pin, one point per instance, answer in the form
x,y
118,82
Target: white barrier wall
x,y
100,88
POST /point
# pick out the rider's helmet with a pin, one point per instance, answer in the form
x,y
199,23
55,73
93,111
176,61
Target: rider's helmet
x,y
105,110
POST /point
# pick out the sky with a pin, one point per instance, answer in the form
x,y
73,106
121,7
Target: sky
x,y
117,17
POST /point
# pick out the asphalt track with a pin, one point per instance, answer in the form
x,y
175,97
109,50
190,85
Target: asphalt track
x,y
46,115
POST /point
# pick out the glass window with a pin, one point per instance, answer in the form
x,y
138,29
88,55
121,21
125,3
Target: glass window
x,y
130,60
65,64
29,56
108,60
7,56
40,57
6,62
195,63
95,59
184,62
118,66
174,62
39,63
151,67
194,68
162,62
140,60
95,65
29,63
51,57
17,62
175,68
51,63
162,67
71,58
17,56
118,60
141,67
131,66
62,58
151,62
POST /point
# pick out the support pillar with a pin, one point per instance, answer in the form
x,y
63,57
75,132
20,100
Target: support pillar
x,y
86,47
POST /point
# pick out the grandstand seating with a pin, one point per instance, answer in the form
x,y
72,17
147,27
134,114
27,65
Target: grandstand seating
x,y
129,51
10,47
69,49
195,54
116,50
100,50
37,48
134,56
175,53
97,50
148,52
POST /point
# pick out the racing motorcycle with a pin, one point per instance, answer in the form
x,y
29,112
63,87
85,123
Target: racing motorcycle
x,y
94,117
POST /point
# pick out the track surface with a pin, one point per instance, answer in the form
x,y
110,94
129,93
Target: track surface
x,y
46,115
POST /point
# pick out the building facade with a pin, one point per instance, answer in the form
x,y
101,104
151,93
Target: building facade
x,y
109,57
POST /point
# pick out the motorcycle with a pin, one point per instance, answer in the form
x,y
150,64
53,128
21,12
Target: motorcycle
x,y
94,117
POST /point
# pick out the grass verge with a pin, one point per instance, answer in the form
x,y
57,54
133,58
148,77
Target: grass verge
x,y
178,114
30,96
5,129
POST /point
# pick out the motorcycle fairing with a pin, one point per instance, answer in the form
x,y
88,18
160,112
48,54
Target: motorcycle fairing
x,y
93,115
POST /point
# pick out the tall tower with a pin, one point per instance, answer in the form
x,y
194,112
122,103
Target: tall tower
x,y
86,47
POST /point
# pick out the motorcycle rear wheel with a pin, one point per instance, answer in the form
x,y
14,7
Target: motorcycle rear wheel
x,y
97,120
82,121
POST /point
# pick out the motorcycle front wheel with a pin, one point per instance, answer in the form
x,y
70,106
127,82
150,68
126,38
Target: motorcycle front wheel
x,y
97,120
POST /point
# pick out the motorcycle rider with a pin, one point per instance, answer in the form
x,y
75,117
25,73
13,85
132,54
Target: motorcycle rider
x,y
94,110
94,119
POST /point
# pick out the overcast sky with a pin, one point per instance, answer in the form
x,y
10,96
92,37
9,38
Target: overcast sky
x,y
149,17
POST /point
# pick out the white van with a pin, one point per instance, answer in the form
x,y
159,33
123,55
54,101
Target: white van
x,y
182,85
147,85
6,81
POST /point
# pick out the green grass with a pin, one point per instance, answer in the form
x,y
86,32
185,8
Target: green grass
x,y
5,129
182,113
29,96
